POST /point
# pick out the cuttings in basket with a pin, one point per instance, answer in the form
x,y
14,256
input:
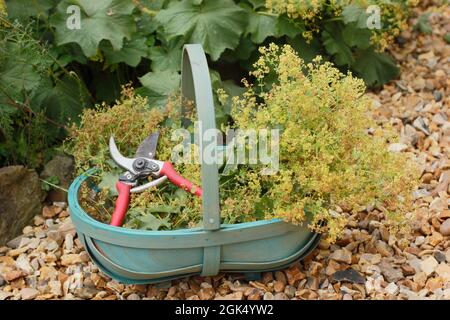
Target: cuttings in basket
x,y
130,121
143,166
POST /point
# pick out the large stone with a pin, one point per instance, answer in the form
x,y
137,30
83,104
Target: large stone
x,y
429,265
62,167
445,228
342,255
21,199
390,273
348,275
28,293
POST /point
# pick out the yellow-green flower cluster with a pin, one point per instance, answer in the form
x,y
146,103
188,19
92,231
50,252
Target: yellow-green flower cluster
x,y
3,11
327,158
303,9
393,14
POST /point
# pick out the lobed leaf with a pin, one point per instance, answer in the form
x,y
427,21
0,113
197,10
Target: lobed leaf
x,y
217,25
100,20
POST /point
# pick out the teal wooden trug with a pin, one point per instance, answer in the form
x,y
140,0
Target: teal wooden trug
x,y
139,256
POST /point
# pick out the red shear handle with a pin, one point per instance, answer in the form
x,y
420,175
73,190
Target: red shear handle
x,y
171,174
122,203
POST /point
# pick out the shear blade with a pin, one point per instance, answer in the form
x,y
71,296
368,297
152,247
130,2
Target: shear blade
x,y
121,160
147,148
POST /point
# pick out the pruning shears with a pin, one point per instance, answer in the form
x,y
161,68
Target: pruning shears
x,y
142,166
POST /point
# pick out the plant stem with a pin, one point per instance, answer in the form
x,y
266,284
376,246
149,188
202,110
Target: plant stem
x,y
144,9
265,13
54,185
22,107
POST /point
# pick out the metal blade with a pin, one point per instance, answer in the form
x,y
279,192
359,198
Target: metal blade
x,y
122,161
147,148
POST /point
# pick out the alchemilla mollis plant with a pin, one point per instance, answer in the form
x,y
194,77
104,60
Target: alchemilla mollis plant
x,y
333,158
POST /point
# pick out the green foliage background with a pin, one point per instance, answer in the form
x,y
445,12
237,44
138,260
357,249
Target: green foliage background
x,y
49,72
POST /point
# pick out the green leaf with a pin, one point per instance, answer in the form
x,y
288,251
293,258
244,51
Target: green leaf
x,y
356,37
46,184
375,68
423,23
108,182
232,89
146,24
131,53
23,9
162,208
288,27
217,25
260,26
307,51
157,86
447,37
334,42
151,222
100,20
161,82
243,51
264,205
167,56
62,102
355,13
18,75
68,53
153,4
258,4
223,108
107,84
112,164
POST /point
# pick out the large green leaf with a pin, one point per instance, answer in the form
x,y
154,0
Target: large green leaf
x,y
161,82
23,9
307,51
68,53
217,25
258,4
356,37
355,13
18,75
148,221
62,102
167,56
242,52
100,20
375,68
131,53
289,27
260,26
334,42
107,85
152,4
109,181
245,49
21,67
157,86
